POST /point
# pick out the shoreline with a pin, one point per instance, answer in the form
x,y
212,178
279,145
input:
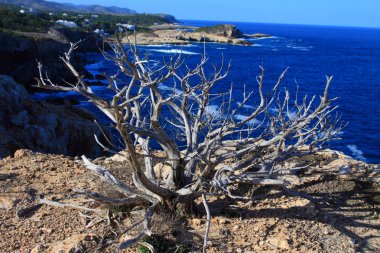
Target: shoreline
x,y
183,35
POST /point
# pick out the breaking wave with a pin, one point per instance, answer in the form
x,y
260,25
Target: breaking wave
x,y
356,153
175,51
253,122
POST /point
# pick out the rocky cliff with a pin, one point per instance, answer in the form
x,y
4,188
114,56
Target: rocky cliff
x,y
225,30
41,126
20,51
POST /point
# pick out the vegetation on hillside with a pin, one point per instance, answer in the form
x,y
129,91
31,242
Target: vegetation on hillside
x,y
12,19
109,22
212,29
41,5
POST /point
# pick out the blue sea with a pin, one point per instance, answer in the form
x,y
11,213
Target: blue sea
x,y
351,55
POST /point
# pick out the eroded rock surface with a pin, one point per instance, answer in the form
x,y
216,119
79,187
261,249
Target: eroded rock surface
x,y
41,126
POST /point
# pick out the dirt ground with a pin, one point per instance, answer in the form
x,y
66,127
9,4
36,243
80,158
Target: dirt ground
x,y
342,217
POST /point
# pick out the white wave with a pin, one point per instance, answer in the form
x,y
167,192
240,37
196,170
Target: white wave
x,y
245,106
274,49
252,122
189,45
266,38
356,153
301,48
175,51
221,48
291,115
171,89
213,110
338,133
158,45
257,45
154,61
273,110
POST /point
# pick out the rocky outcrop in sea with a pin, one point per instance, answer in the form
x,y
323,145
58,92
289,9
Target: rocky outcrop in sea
x,y
174,34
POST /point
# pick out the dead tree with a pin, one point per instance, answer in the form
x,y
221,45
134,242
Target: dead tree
x,y
206,152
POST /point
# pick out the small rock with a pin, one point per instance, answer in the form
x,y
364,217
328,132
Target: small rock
x,y
48,230
284,244
22,153
69,245
236,228
325,231
36,249
6,203
222,221
281,244
196,222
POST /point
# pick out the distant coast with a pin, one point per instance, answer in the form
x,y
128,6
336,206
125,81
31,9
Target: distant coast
x,y
179,34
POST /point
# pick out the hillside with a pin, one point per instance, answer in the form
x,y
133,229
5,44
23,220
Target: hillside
x,y
42,5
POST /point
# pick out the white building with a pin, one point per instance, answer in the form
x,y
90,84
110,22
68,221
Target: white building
x,y
127,26
66,23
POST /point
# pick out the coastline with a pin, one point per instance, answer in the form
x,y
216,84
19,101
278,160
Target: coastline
x,y
181,35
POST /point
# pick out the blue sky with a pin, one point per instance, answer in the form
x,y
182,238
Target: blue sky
x,y
364,13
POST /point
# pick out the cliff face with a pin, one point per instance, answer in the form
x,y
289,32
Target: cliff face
x,y
225,30
20,52
43,127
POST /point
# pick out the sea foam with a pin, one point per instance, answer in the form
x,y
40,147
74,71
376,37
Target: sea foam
x,y
175,51
252,122
356,153
213,110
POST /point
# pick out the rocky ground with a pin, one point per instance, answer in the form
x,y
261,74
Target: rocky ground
x,y
343,217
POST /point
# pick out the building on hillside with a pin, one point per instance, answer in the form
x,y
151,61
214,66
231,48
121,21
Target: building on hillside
x,y
126,26
66,23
